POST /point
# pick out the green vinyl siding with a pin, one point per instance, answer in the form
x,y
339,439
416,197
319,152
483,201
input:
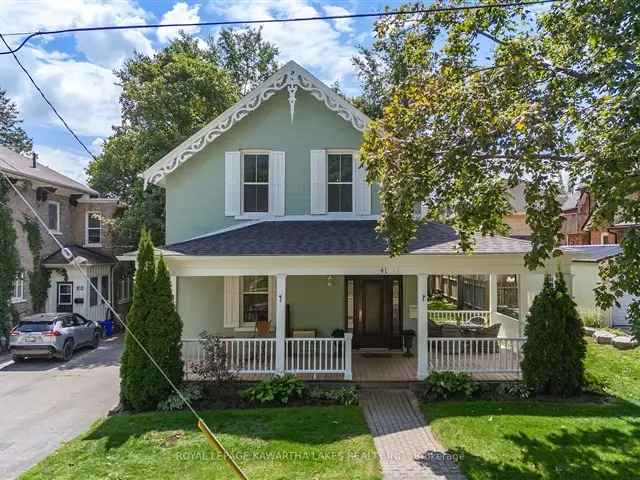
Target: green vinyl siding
x,y
195,191
313,304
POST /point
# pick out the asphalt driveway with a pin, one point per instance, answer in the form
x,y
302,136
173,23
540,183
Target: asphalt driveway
x,y
45,403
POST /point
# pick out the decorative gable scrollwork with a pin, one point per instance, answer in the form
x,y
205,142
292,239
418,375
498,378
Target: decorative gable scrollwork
x,y
292,77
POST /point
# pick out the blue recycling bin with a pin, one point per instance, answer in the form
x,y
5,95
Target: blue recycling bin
x,y
107,327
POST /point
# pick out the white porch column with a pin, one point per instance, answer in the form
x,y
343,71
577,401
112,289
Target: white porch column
x,y
423,327
523,300
348,374
493,297
281,321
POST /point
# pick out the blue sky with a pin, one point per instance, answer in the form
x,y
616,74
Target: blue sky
x,y
76,71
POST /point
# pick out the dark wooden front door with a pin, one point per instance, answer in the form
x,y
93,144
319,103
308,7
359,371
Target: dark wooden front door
x,y
377,316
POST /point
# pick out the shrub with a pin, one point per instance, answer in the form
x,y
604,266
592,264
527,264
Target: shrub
x,y
214,367
591,317
513,390
191,393
278,389
555,349
444,385
346,396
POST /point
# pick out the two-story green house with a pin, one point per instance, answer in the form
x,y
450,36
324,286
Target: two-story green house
x,y
271,243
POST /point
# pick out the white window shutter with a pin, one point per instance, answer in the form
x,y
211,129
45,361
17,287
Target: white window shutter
x,y
361,187
231,302
276,183
232,183
318,182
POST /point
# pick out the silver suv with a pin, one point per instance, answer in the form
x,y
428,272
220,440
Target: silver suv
x,y
53,335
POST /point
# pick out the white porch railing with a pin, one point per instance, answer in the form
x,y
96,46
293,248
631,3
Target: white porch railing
x,y
258,355
481,355
316,355
458,316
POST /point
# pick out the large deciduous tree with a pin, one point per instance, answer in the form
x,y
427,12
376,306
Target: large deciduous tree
x,y
166,98
12,134
495,97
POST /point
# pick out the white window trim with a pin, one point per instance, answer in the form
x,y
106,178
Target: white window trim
x,y
602,235
352,183
86,229
56,231
251,326
253,215
18,281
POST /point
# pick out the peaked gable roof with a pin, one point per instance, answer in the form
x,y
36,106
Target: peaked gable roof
x,y
20,166
290,77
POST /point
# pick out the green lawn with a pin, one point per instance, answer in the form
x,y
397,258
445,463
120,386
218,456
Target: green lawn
x,y
287,443
534,440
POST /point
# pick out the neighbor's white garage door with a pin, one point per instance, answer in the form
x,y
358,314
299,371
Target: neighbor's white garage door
x,y
619,314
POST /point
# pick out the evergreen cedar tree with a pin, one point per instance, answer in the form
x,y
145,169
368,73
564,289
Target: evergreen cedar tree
x,y
555,348
157,326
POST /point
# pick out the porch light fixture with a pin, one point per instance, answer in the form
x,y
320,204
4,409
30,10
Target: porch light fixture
x,y
330,281
510,279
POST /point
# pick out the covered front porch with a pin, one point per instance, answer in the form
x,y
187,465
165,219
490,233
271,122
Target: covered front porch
x,y
323,300
350,327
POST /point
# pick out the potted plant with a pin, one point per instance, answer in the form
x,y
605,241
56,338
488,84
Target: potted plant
x,y
407,339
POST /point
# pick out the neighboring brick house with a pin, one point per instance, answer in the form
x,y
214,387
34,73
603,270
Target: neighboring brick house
x,y
578,228
77,216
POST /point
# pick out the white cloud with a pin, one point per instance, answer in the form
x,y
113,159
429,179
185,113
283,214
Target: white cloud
x,y
85,94
108,49
315,44
344,25
68,163
180,13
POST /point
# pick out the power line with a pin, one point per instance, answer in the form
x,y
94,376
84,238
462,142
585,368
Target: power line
x,y
390,13
44,97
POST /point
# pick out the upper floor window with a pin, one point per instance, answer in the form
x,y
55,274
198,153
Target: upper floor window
x,y
340,182
18,289
53,216
255,185
94,228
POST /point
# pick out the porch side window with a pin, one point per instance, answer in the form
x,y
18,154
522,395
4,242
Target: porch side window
x,y
93,294
255,299
255,187
508,298
94,228
340,182
18,289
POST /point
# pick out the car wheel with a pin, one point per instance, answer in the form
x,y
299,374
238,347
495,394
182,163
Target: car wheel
x,y
67,350
96,340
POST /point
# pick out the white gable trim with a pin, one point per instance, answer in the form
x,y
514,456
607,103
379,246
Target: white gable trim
x,y
291,77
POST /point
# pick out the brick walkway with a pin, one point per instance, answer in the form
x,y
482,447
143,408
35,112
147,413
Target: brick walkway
x,y
406,447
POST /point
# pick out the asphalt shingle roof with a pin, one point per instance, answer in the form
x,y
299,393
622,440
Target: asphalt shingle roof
x,y
93,257
328,237
15,164
591,253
